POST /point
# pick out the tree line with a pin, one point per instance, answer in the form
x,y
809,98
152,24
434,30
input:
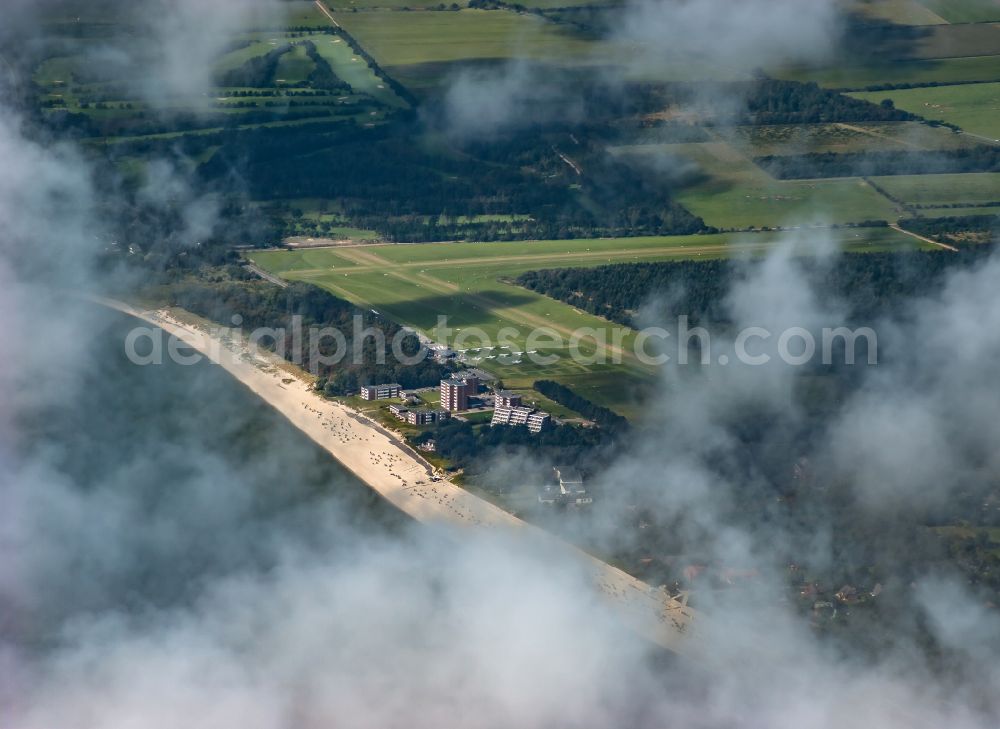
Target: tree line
x,y
870,283
257,71
981,158
959,231
789,102
604,417
264,305
471,447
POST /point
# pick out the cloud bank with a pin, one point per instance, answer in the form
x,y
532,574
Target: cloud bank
x,y
647,40
748,34
149,581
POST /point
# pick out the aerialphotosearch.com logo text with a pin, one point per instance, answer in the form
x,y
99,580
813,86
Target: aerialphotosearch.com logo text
x,y
318,348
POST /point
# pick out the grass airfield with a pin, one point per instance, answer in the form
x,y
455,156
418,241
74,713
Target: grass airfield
x,y
471,284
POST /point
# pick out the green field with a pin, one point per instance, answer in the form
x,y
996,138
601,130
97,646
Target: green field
x,y
903,12
738,194
937,190
367,5
951,212
944,71
403,39
55,70
973,107
965,11
735,203
955,533
305,15
345,232
420,49
257,47
468,283
955,41
352,68
294,67
111,101
758,141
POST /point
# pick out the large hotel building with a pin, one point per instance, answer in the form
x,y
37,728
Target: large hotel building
x,y
455,392
454,395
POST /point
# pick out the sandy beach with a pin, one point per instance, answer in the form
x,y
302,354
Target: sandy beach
x,y
386,464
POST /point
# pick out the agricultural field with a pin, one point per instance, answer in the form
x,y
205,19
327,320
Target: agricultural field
x,y
973,107
263,93
948,212
294,67
468,283
403,39
759,141
422,48
943,190
878,73
965,11
716,177
368,5
438,5
956,41
255,47
734,193
319,219
305,15
353,69
738,202
903,12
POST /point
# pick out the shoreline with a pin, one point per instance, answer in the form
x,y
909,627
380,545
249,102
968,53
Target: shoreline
x,y
398,474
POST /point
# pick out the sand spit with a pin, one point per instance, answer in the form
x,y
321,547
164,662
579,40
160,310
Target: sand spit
x,y
398,473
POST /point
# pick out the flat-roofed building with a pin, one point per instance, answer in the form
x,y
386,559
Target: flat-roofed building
x,y
418,417
426,417
380,392
471,379
507,399
455,395
535,420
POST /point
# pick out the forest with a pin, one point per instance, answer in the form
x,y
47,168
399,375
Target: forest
x,y
958,230
385,182
256,72
322,76
604,417
869,283
264,305
788,102
982,158
471,447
